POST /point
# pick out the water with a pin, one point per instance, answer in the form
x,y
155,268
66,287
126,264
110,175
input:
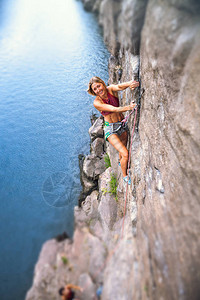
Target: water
x,y
48,51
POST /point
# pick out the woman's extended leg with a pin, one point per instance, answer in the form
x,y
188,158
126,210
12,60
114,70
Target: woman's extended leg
x,y
116,142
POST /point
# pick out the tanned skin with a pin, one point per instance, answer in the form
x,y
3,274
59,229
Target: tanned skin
x,y
118,142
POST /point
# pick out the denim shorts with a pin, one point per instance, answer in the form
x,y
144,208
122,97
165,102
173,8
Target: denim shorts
x,y
114,128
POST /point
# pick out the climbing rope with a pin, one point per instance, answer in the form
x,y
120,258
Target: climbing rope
x,y
126,118
129,156
129,159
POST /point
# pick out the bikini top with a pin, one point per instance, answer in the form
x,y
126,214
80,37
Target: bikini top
x,y
70,295
112,100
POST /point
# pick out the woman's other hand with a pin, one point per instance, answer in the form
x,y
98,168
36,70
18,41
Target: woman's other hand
x,y
132,105
134,84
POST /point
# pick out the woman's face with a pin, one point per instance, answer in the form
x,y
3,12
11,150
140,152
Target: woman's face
x,y
99,89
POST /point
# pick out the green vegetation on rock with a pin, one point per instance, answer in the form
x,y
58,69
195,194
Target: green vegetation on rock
x,y
113,186
107,160
65,260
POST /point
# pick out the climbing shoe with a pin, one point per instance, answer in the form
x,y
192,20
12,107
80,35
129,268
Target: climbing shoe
x,y
127,179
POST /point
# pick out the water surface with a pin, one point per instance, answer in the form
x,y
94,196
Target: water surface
x,y
48,51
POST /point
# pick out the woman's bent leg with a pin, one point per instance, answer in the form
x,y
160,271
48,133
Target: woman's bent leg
x,y
116,142
124,139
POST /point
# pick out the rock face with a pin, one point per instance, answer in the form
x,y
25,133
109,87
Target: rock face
x,y
166,150
165,156
81,261
96,130
157,257
92,165
169,213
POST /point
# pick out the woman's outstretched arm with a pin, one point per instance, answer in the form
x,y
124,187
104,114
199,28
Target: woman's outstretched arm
x,y
122,86
75,287
107,107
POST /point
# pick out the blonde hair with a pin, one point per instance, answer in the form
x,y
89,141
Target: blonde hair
x,y
94,79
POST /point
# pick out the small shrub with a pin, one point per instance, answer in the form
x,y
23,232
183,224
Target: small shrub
x,y
65,260
104,191
113,185
146,289
107,160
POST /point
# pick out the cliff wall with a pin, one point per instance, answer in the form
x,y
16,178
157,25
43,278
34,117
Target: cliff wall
x,y
158,257
165,156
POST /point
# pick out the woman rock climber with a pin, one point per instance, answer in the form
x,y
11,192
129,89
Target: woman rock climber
x,y
107,103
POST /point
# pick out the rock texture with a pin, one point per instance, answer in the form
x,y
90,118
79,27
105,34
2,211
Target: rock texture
x,y
157,257
165,157
92,165
81,261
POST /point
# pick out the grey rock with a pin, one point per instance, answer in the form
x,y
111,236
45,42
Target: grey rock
x,y
118,272
133,212
96,228
97,253
96,7
89,290
108,205
87,184
108,18
130,24
113,66
170,50
90,205
93,166
96,130
167,36
88,4
153,260
67,262
46,278
107,211
159,183
80,217
97,147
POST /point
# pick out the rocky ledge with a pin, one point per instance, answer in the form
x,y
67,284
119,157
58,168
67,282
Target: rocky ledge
x,y
92,165
88,259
